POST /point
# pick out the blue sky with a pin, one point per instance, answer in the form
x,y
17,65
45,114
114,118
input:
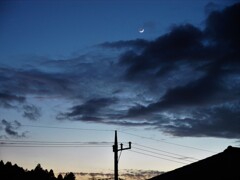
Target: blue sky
x,y
85,65
61,28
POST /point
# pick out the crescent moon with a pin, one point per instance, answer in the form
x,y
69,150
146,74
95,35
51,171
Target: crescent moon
x,y
141,30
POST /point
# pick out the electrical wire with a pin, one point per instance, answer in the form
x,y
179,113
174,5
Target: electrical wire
x,y
51,146
54,142
167,142
157,157
163,154
12,143
181,156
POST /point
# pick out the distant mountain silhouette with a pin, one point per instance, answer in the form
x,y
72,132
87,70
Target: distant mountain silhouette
x,y
222,166
14,172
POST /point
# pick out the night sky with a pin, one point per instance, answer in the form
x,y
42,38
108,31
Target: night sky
x,y
75,71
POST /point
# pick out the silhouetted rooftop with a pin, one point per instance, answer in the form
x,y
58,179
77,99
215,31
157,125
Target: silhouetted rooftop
x,y
222,166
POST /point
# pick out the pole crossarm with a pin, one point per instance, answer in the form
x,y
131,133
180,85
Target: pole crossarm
x,y
129,147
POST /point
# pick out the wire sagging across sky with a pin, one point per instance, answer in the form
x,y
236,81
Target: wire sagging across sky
x,y
167,152
13,143
166,142
157,157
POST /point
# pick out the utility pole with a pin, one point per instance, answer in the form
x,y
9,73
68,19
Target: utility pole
x,y
115,150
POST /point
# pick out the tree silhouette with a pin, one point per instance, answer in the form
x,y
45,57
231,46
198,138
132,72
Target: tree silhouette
x,y
60,177
69,176
13,172
51,174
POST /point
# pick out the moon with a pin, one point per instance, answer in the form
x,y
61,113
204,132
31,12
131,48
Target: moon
x,y
141,30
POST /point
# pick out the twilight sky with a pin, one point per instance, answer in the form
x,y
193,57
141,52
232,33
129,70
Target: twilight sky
x,y
74,71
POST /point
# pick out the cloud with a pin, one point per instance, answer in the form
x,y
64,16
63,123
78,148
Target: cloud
x,y
92,110
78,79
126,174
210,58
222,27
11,129
203,91
31,112
7,100
182,43
216,122
19,81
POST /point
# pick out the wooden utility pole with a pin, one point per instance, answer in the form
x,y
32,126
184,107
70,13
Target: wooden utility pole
x,y
115,150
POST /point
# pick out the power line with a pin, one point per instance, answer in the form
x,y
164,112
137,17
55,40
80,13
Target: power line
x,y
167,142
182,156
52,146
54,142
13,143
163,154
157,157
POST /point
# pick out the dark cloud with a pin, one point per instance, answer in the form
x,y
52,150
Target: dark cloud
x,y
128,123
212,55
92,106
188,44
31,112
75,79
11,129
33,82
223,122
182,43
222,28
92,110
203,91
19,102
7,100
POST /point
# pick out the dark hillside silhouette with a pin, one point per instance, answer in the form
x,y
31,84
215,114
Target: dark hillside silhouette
x,y
14,172
222,166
